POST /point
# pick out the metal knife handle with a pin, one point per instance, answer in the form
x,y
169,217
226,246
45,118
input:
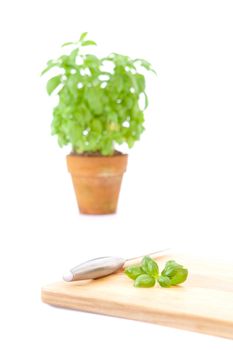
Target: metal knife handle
x,y
95,268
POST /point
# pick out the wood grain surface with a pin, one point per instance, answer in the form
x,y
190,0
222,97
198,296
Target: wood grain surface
x,y
204,303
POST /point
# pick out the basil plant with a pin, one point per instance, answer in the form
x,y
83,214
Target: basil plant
x,y
101,101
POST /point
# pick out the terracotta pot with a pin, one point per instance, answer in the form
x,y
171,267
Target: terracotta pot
x,y
97,181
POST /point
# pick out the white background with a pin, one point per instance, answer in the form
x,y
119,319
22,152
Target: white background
x,y
178,190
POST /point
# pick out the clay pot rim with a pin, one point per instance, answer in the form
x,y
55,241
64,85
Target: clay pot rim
x,y
94,156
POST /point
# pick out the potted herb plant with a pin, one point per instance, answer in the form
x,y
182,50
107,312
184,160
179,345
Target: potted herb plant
x,y
98,108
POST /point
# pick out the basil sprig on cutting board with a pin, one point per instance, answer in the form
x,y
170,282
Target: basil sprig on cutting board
x,y
147,273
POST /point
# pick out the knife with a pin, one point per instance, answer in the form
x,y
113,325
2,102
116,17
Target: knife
x,y
100,267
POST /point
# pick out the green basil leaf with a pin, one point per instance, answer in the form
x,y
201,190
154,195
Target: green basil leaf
x,y
94,99
164,281
88,43
107,147
171,268
146,101
144,281
91,61
73,56
83,36
53,83
130,142
145,64
50,64
96,125
180,276
68,43
140,82
74,131
150,267
133,272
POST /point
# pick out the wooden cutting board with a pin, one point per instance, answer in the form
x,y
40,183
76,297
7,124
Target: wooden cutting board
x,y
204,303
